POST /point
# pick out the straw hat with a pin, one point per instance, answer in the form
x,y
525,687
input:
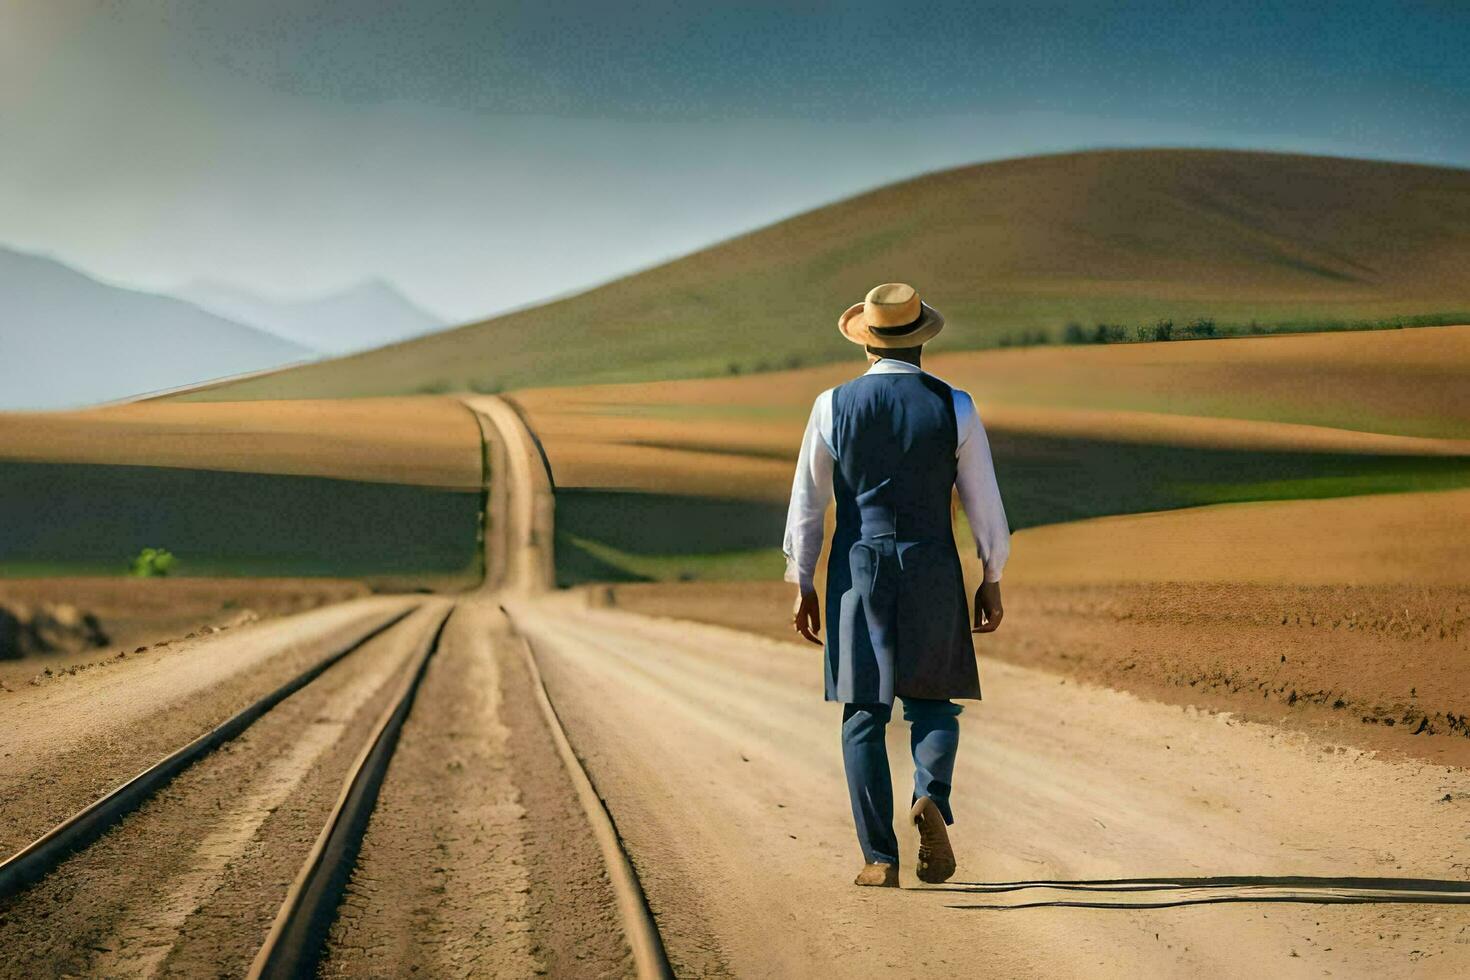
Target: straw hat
x,y
891,316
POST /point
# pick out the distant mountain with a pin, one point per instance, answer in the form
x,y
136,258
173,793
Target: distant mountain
x,y
67,339
1124,237
369,314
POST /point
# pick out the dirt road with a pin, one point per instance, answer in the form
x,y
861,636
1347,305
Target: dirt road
x,y
721,766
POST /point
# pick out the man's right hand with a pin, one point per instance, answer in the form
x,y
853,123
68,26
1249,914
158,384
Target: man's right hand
x,y
988,611
806,616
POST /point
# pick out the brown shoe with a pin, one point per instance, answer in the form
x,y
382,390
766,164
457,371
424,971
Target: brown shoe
x,y
878,876
936,856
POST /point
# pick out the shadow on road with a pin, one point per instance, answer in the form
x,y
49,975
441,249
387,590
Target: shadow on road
x,y
1164,892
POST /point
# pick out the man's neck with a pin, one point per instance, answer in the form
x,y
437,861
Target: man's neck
x,y
896,356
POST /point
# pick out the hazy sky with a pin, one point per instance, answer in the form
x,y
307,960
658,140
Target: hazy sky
x,y
486,155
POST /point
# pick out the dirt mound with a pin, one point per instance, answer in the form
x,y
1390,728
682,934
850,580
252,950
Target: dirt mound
x,y
11,628
134,614
49,627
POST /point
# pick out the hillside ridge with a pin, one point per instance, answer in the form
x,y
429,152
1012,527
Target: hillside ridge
x,y
1011,250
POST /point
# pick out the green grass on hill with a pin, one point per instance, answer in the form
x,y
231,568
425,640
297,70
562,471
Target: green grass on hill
x,y
1007,250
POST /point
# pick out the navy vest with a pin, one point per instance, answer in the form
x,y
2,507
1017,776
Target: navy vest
x,y
897,616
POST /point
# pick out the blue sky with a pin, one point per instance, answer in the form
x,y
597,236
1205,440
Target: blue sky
x,y
486,155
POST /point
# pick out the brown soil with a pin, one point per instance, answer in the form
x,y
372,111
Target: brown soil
x,y
575,928
1386,539
419,441
1348,616
139,614
1382,667
77,736
478,860
721,765
188,884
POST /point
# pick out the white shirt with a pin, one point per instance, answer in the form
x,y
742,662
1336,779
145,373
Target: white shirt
x,y
975,481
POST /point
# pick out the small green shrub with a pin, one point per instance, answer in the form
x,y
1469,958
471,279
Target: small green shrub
x,y
152,563
1075,334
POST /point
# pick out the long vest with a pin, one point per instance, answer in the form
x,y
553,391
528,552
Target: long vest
x,y
897,617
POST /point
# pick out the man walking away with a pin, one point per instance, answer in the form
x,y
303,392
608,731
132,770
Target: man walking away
x,y
890,445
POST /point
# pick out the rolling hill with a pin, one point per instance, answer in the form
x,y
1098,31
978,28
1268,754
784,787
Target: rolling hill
x,y
67,339
1002,248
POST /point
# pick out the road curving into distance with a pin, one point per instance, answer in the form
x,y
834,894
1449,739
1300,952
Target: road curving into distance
x,y
580,791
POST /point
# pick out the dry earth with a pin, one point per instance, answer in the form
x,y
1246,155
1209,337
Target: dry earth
x,y
1364,667
144,616
429,441
66,742
1346,617
477,861
1389,539
186,885
1099,835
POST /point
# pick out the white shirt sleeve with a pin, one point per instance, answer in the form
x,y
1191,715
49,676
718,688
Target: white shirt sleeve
x,y
979,493
811,491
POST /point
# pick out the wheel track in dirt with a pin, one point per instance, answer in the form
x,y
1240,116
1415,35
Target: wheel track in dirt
x,y
34,860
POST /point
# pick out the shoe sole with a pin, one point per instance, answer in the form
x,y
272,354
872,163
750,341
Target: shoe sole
x,y
936,856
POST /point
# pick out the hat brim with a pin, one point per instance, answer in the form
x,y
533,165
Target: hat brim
x,y
852,326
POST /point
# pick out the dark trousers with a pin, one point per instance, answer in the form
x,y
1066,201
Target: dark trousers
x,y
934,737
